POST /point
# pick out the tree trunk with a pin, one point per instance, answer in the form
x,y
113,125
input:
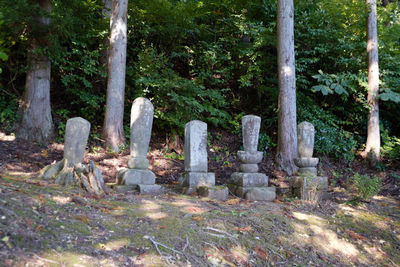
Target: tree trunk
x,y
106,42
113,122
287,136
373,145
36,122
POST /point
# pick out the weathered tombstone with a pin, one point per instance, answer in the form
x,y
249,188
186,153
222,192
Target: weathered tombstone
x,y
137,175
307,185
249,183
196,175
70,169
76,135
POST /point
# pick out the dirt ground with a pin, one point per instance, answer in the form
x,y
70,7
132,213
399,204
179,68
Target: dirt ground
x,y
43,224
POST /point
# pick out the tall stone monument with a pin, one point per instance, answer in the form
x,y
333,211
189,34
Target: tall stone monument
x,y
249,183
137,174
196,175
307,184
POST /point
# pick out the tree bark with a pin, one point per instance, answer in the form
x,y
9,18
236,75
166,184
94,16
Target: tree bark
x,y
36,122
287,136
373,145
113,122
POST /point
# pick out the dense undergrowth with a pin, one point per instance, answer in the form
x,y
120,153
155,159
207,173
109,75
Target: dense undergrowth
x,y
213,61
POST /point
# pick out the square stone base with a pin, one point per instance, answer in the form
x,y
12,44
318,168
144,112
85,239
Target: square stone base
x,y
249,179
135,177
154,189
311,188
219,193
261,193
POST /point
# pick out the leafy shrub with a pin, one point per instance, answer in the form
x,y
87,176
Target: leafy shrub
x,y
366,186
330,138
265,142
8,111
391,145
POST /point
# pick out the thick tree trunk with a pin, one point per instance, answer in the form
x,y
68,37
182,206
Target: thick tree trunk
x,y
113,122
36,122
287,136
373,145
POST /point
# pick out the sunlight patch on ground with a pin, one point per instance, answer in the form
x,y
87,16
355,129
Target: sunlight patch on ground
x,y
62,200
314,231
8,138
116,244
152,210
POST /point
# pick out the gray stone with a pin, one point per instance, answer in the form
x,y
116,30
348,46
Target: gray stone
x,y
250,157
125,188
141,123
250,168
219,193
307,171
153,189
313,188
261,194
305,139
138,163
306,162
196,179
249,179
76,136
135,177
196,146
250,132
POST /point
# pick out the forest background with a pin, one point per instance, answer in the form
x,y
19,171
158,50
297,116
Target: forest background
x,y
214,61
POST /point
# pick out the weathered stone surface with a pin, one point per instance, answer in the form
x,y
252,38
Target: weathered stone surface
x,y
261,194
135,177
51,171
141,123
250,157
249,179
125,188
76,136
138,163
250,168
196,146
310,188
306,162
250,132
153,189
219,193
305,139
196,179
307,171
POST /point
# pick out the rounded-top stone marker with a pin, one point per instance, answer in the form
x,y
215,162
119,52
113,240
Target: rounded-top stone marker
x,y
76,136
141,123
305,139
250,132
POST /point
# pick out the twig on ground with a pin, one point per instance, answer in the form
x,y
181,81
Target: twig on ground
x,y
46,260
186,245
219,231
156,244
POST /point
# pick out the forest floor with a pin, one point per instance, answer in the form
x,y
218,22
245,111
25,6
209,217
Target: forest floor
x,y
43,224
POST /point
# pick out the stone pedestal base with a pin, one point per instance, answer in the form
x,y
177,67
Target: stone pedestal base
x,y
214,192
260,193
135,177
311,188
249,179
153,189
192,180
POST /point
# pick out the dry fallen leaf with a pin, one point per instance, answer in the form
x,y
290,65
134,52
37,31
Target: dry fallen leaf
x,y
233,201
354,235
197,218
82,218
161,226
39,228
261,253
28,222
243,229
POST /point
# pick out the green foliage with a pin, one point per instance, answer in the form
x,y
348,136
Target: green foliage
x,y
390,145
366,186
265,142
330,138
8,110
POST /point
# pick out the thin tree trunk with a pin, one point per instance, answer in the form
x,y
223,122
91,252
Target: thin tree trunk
x,y
106,42
373,145
113,122
287,136
36,122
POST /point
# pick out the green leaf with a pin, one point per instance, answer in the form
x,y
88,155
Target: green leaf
x,y
325,90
